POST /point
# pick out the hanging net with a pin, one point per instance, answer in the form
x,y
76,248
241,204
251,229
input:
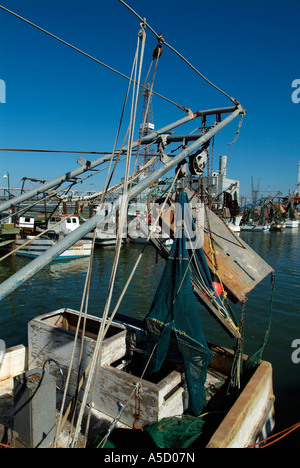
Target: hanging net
x,y
173,326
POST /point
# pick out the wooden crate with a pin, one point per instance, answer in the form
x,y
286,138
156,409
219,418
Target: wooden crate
x,y
160,399
51,336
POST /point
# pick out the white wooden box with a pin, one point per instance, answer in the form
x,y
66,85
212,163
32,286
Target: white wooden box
x,y
51,336
157,400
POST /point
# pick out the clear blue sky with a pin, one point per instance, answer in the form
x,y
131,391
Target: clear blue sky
x,y
59,99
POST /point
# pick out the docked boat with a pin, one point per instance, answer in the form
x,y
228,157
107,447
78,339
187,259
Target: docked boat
x,y
36,247
140,226
277,226
248,419
204,385
83,381
291,223
255,227
8,231
59,226
235,223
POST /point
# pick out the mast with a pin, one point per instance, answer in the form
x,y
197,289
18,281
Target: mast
x,y
146,128
15,281
298,184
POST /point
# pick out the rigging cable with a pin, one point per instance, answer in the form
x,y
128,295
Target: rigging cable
x,y
126,190
85,53
138,384
98,345
147,107
124,206
158,36
85,298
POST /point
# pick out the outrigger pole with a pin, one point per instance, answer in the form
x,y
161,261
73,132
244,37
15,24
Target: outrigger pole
x,y
15,281
89,166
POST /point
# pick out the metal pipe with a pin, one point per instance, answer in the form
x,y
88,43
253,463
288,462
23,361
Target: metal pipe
x,y
97,162
12,283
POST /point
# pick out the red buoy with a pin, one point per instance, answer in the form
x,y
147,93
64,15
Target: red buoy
x,y
218,288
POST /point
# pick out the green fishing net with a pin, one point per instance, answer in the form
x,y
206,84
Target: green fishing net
x,y
174,316
175,432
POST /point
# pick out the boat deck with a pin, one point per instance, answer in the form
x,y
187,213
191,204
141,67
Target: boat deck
x,y
99,424
239,422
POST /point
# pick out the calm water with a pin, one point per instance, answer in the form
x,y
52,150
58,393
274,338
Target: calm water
x,y
61,285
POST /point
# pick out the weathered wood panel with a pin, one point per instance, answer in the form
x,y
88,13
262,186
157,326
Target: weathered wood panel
x,y
114,385
49,341
240,267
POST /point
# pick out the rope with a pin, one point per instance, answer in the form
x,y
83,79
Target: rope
x,y
279,436
98,344
135,100
102,442
256,358
62,420
114,312
146,110
138,384
83,53
158,36
86,294
140,255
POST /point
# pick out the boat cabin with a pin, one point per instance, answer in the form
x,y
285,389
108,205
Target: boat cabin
x,y
27,225
67,223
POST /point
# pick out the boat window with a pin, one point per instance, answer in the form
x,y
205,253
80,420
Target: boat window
x,y
74,220
68,220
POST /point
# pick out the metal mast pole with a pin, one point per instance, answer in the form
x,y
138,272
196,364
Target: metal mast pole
x,y
12,283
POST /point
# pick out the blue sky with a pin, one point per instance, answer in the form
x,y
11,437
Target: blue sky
x,y
59,99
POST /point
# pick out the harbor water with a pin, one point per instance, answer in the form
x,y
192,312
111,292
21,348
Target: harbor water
x,y
61,285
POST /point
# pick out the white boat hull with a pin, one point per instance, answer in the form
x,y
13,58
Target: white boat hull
x,y
291,223
234,225
102,239
258,228
38,246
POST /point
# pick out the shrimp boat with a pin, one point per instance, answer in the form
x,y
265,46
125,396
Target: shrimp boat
x,y
191,381
30,245
159,382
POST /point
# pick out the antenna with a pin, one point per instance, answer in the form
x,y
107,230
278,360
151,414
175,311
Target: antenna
x,y
147,127
255,191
